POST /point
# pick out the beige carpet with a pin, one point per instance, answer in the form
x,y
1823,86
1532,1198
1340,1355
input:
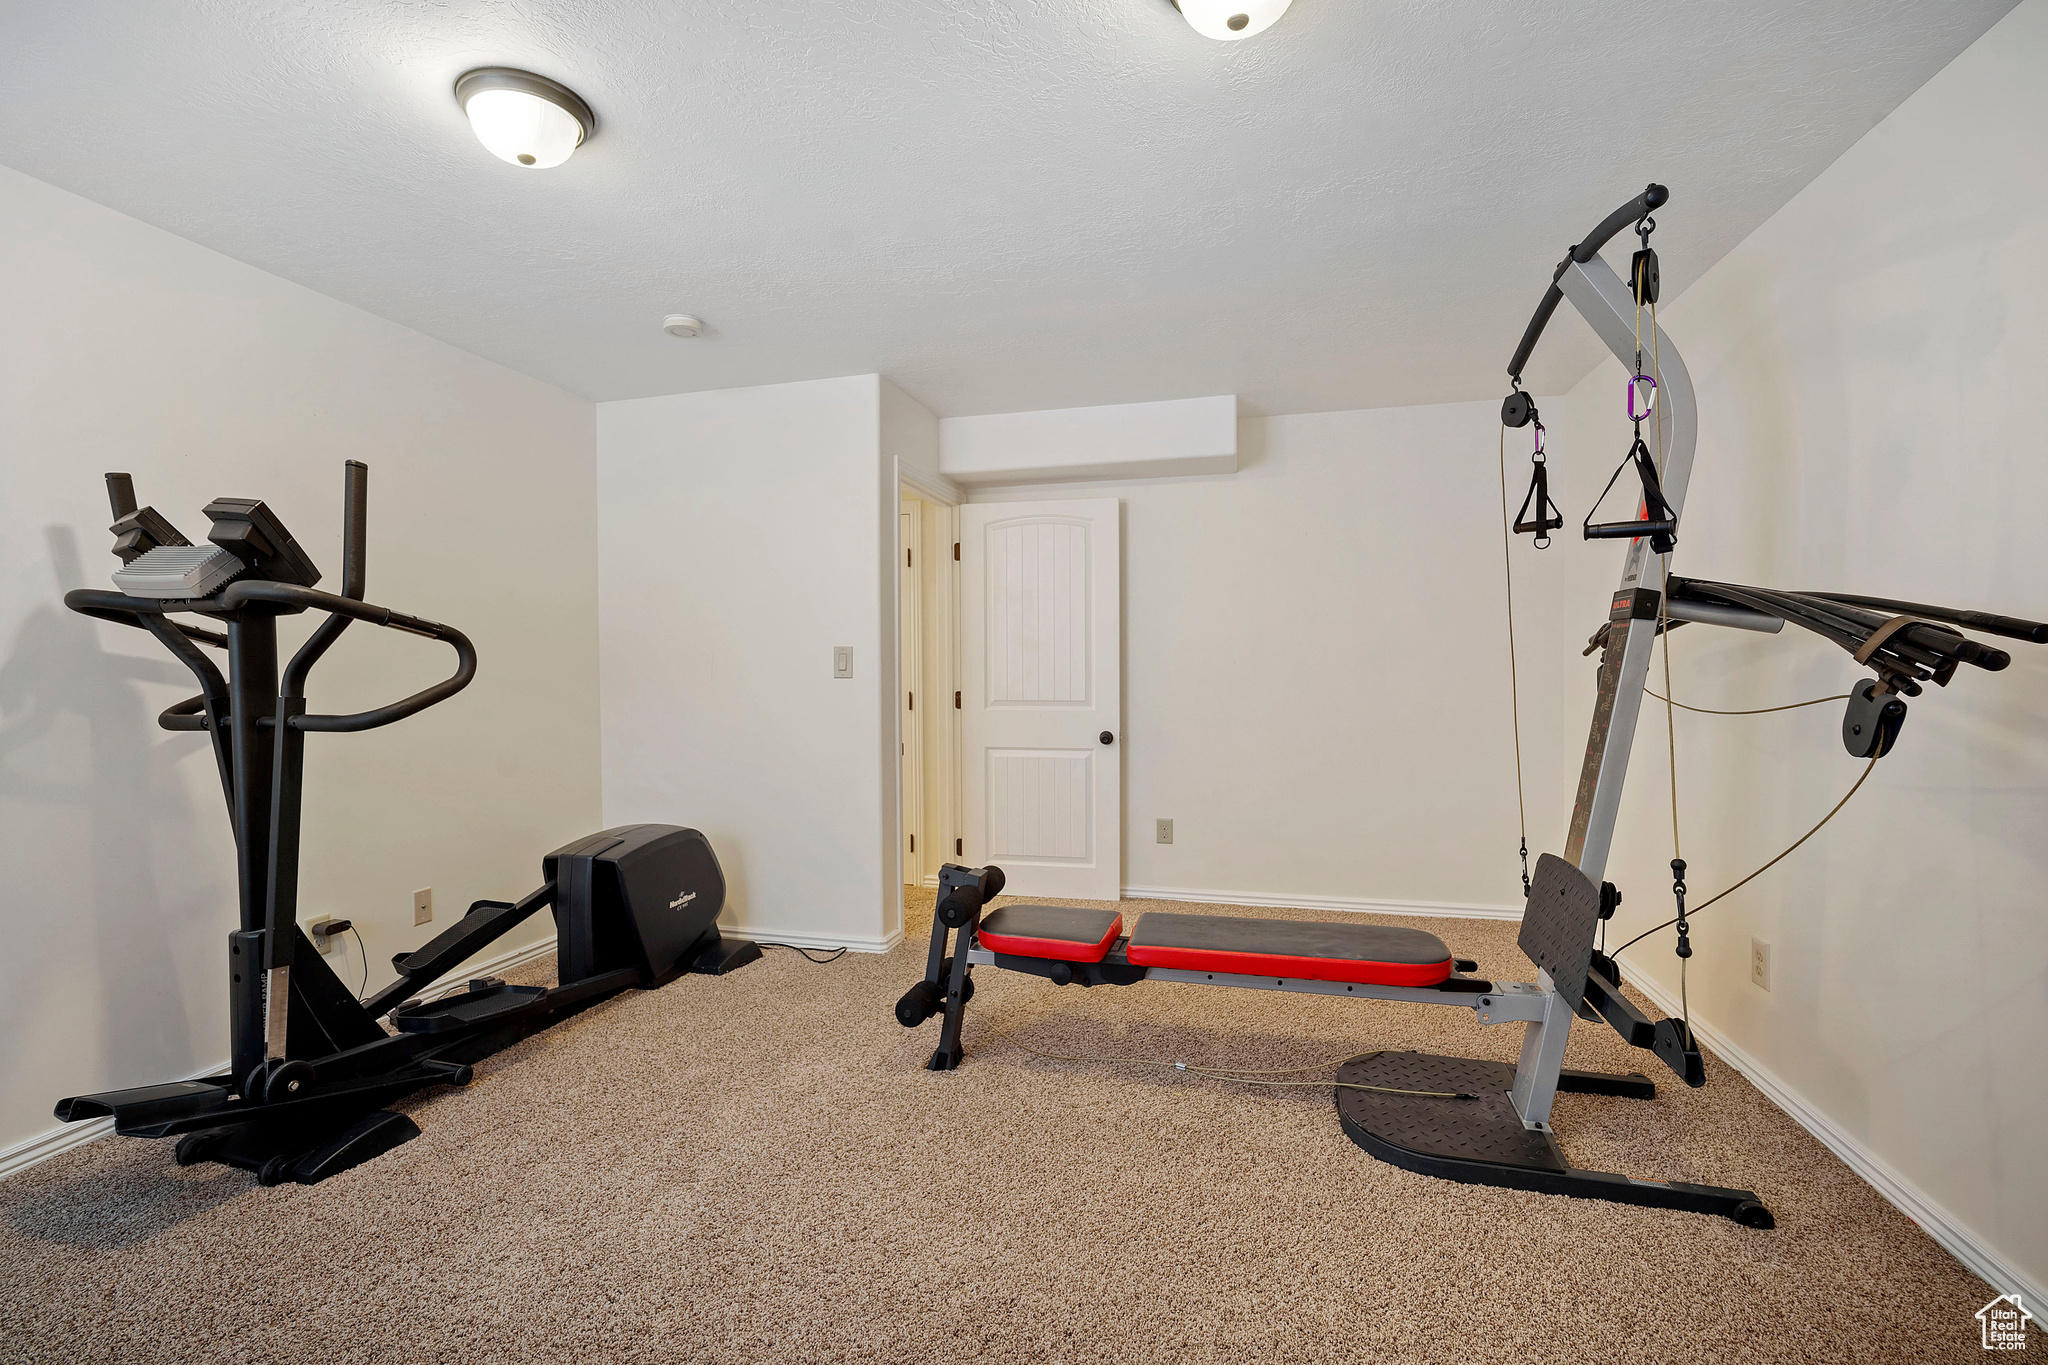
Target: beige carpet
x,y
757,1168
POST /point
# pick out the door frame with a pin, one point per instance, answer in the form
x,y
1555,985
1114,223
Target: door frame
x,y
940,652
911,816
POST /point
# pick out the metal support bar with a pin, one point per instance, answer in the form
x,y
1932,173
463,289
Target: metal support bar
x,y
1543,1044
1508,1002
1609,307
1722,614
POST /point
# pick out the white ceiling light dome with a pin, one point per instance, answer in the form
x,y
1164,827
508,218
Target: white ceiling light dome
x,y
522,118
1230,20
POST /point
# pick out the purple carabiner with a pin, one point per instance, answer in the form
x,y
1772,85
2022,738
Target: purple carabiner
x,y
1649,397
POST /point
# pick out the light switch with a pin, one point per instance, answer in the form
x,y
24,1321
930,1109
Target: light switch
x,y
842,661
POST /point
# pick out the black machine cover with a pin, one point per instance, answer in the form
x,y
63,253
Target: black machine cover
x,y
639,896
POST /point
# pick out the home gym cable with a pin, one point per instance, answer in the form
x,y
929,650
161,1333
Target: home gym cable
x,y
1245,1075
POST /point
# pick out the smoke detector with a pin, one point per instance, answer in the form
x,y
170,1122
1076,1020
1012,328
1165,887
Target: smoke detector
x,y
682,325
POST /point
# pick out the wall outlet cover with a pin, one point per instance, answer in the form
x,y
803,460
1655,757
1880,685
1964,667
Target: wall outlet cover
x,y
423,905
1164,832
1760,963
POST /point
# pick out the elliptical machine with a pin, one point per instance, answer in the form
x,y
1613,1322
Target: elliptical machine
x,y
311,1067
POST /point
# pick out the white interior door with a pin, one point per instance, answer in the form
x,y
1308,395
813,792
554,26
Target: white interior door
x,y
1041,697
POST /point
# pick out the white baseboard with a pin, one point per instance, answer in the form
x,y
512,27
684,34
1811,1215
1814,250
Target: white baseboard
x,y
1440,909
1937,1222
853,943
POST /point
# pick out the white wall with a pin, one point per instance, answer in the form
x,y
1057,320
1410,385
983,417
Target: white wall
x,y
1316,687
744,533
123,347
1315,665
1869,366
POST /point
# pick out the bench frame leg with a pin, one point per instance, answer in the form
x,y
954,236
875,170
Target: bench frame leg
x,y
948,1054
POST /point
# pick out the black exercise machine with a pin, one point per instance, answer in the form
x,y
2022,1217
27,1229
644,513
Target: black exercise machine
x,y
1460,1118
311,1067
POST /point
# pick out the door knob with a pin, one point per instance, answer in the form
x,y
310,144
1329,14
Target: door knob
x,y
1108,738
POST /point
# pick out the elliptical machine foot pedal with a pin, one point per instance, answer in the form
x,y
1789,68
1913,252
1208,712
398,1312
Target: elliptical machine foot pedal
x,y
465,1008
725,955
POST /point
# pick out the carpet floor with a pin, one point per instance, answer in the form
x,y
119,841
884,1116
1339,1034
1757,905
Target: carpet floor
x,y
758,1168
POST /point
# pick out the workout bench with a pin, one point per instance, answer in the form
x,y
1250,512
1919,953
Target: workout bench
x,y
1498,1134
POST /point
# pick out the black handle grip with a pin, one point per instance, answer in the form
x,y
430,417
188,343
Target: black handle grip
x,y
355,519
189,714
1628,530
121,495
239,595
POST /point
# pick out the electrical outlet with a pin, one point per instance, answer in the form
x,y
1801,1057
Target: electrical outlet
x,y
423,905
842,661
1164,833
325,940
1760,962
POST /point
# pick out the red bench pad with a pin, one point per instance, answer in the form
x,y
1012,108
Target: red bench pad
x,y
1064,933
1370,954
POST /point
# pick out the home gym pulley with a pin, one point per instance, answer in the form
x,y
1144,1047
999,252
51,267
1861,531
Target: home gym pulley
x,y
1905,644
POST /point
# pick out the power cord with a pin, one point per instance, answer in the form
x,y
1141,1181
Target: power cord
x,y
833,956
362,990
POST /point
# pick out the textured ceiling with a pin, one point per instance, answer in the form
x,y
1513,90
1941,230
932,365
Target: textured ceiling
x,y
1001,204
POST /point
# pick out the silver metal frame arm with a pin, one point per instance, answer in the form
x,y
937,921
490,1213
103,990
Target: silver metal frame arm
x,y
1607,304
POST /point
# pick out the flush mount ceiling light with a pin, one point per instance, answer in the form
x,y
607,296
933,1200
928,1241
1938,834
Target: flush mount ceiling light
x,y
522,118
1230,20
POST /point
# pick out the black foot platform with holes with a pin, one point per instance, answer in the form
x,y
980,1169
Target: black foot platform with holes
x,y
1482,1140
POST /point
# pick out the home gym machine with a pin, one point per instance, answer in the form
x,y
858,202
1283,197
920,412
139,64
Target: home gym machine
x,y
311,1066
1460,1118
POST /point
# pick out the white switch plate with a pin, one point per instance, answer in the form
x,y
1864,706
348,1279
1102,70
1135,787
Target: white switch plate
x,y
423,905
1760,962
842,661
1164,831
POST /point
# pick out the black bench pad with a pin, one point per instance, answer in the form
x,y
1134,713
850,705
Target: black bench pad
x,y
1370,954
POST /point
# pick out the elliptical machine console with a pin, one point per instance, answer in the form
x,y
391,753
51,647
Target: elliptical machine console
x,y
311,1067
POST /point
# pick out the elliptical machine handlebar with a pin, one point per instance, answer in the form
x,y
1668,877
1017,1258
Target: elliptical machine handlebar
x,y
290,594
131,611
138,529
